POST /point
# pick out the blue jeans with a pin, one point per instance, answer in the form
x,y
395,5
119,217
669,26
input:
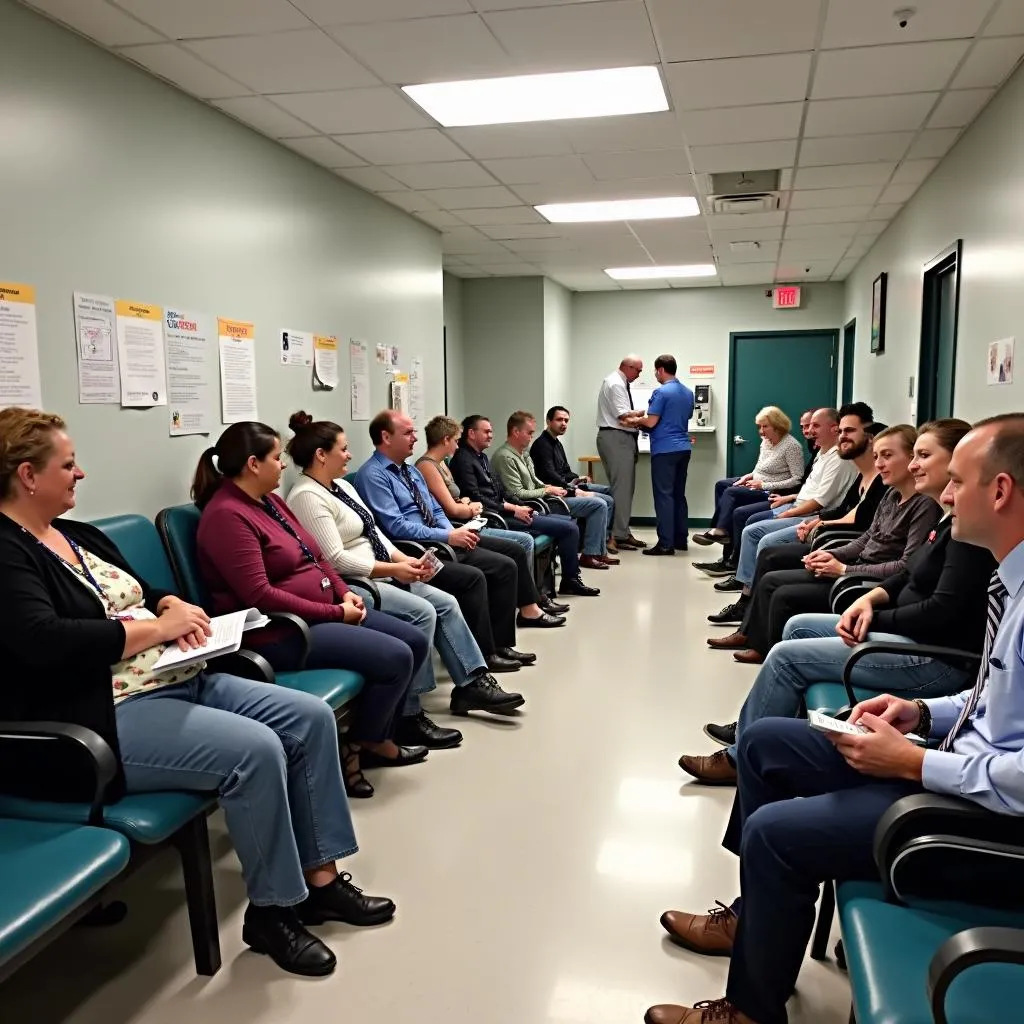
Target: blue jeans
x,y
668,481
810,652
595,516
520,537
758,526
604,492
777,537
729,498
271,755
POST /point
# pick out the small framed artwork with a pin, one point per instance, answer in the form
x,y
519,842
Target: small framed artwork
x,y
878,314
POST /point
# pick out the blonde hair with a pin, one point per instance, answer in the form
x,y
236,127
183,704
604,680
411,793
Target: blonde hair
x,y
26,435
774,417
440,429
904,431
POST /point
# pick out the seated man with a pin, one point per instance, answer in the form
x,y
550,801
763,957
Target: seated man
x,y
513,464
808,803
473,473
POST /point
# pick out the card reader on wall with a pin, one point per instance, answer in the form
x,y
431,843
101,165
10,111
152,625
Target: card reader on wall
x,y
702,405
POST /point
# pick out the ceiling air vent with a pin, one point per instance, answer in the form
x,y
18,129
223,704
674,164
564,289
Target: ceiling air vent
x,y
744,192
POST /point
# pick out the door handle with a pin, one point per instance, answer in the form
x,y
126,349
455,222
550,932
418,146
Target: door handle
x,y
739,440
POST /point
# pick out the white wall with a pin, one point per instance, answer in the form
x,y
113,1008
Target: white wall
x,y
455,356
977,194
557,346
116,183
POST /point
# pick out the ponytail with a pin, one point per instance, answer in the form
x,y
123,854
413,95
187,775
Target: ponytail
x,y
207,479
226,460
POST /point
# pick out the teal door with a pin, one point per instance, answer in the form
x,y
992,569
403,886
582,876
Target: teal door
x,y
849,347
795,370
939,308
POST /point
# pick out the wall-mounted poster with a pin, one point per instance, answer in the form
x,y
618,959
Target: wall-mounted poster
x,y
878,290
999,369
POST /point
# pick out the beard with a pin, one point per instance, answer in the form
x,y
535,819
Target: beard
x,y
856,451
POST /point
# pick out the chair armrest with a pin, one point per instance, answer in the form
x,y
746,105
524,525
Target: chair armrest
x,y
950,655
247,664
962,951
416,550
826,539
101,757
499,522
560,505
847,589
537,505
367,585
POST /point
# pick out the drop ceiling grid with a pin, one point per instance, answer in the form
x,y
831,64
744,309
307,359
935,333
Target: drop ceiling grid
x,y
854,112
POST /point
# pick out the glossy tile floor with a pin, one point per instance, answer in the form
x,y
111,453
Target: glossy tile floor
x,y
530,867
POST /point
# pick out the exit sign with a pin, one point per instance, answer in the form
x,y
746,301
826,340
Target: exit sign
x,y
787,297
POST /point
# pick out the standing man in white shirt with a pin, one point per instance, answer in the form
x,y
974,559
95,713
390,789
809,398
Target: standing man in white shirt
x,y
617,445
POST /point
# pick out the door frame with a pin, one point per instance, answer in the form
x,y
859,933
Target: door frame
x,y
849,334
734,338
950,258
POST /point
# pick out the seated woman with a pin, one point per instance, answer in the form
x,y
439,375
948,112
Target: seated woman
x,y
253,553
331,510
903,521
88,630
779,468
939,598
442,435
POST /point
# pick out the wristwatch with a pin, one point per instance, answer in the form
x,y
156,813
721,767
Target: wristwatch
x,y
924,723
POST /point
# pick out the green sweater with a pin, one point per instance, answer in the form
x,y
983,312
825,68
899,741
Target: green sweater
x,y
517,473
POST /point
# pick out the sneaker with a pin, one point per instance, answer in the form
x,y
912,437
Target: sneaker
x,y
731,614
724,734
729,586
717,568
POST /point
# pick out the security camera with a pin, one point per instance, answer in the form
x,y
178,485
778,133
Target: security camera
x,y
807,270
903,16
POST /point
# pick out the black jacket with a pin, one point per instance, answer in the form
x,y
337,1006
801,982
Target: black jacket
x,y
866,508
57,647
476,480
550,462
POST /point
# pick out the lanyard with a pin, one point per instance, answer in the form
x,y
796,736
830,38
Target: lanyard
x,y
85,573
275,513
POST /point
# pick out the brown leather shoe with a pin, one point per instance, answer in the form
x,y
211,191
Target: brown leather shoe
x,y
732,642
608,560
592,562
749,657
636,542
613,547
628,544
710,769
719,1011
710,934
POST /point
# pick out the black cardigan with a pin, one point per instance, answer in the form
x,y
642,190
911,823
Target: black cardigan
x,y
57,647
940,597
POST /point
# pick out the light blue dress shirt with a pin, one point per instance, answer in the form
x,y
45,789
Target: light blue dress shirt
x,y
381,487
986,764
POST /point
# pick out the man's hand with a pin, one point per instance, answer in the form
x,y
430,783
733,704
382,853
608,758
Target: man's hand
x,y
411,571
476,507
778,500
855,622
523,513
824,565
902,715
804,529
464,538
558,492
884,753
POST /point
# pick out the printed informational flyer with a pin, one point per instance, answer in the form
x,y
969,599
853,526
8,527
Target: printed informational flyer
x,y
325,367
140,354
19,347
400,393
99,381
296,348
417,399
190,368
359,368
237,344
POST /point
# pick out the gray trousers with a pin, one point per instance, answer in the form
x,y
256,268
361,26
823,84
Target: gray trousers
x,y
619,455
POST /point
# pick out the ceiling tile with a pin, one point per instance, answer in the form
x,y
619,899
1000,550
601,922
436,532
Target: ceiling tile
x,y
615,134
536,169
412,202
744,156
805,270
738,81
885,211
472,198
265,117
989,62
354,12
912,172
324,151
638,164
502,215
871,22
843,177
816,198
614,33
813,249
581,280
643,286
1008,20
511,270
427,49
98,20
859,247
422,145
176,65
881,70
285,61
835,215
501,232
353,110
898,193
959,108
539,245
197,19
494,142
844,268
854,149
697,30
456,174
747,273
874,114
717,221
934,143
801,231
729,257
464,233
373,179
633,188
726,235
435,218
467,272
742,124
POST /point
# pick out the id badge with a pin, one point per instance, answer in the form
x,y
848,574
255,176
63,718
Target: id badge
x,y
325,583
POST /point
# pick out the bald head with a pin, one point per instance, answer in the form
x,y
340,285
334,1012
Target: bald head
x,y
824,428
631,367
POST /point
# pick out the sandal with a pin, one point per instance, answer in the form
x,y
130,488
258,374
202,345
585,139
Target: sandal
x,y
357,785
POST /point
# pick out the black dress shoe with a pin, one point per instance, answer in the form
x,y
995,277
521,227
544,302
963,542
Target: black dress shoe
x,y
277,933
343,901
659,550
720,567
419,729
724,734
577,588
406,755
543,621
484,694
523,657
553,607
731,614
496,663
729,586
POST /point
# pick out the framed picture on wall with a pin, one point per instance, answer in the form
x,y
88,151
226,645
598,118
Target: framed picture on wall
x,y
878,314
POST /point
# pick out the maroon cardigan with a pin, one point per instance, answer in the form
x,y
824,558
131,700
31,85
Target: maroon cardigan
x,y
249,560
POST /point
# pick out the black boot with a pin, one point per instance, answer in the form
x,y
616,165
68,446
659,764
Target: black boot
x,y
343,901
484,694
278,933
414,730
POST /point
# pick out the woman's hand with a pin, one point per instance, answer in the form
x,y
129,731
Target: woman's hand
x,y
186,623
353,609
476,507
854,624
411,571
822,564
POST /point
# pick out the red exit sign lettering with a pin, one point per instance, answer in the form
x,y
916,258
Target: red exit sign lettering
x,y
787,297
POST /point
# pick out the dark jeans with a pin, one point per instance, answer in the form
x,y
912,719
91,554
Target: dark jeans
x,y
740,517
668,481
788,847
526,586
777,597
729,498
386,652
484,584
563,531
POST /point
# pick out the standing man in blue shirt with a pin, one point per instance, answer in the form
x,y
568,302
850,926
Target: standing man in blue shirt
x,y
668,421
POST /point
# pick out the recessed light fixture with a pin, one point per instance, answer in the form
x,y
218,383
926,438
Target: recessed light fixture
x,y
620,209
603,93
744,246
661,273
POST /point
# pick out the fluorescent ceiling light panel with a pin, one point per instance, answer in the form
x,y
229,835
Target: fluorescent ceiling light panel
x,y
620,209
555,97
661,273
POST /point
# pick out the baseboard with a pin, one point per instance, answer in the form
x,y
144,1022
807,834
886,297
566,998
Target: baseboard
x,y
651,521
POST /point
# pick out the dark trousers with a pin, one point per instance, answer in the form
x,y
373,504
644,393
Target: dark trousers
x,y
563,531
729,498
484,584
740,517
668,481
385,651
779,596
778,556
788,847
526,586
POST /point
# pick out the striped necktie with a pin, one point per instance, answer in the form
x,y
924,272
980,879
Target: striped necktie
x,y
996,607
421,504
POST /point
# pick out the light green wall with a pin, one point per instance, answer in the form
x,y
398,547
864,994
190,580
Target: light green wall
x,y
455,354
116,183
977,194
